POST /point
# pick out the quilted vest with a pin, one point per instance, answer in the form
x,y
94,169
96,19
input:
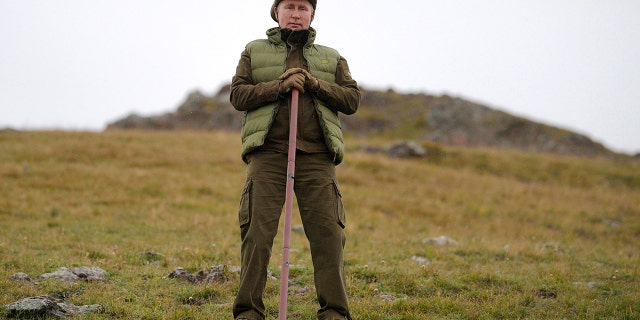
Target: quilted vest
x,y
268,57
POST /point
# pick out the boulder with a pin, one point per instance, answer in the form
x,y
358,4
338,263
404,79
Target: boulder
x,y
77,274
45,306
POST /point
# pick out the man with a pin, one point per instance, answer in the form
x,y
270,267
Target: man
x,y
267,72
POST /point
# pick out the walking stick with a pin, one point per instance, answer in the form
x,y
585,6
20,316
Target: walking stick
x,y
288,205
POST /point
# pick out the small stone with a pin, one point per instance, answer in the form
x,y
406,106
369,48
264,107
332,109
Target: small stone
x,y
20,276
406,149
215,274
589,285
421,260
298,228
440,241
304,290
546,294
612,223
182,274
552,246
152,256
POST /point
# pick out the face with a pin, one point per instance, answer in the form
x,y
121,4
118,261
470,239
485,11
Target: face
x,y
294,14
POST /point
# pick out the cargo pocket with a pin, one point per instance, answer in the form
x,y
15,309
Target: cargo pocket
x,y
340,213
244,214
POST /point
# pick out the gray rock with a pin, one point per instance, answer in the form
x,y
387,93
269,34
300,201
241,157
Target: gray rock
x,y
43,306
304,290
152,256
546,294
612,223
441,241
298,228
406,149
421,260
215,274
589,285
77,274
552,246
402,149
20,276
182,274
387,298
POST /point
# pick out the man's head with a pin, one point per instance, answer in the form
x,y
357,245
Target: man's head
x,y
293,14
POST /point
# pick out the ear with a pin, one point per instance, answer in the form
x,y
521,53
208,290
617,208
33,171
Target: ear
x,y
313,15
275,12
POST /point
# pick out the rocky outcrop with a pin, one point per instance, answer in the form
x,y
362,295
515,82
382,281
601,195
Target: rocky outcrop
x,y
441,119
198,112
453,121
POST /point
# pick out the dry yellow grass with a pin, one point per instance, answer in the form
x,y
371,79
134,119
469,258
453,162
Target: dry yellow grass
x,y
532,229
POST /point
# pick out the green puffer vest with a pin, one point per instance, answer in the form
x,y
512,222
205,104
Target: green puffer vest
x,y
268,57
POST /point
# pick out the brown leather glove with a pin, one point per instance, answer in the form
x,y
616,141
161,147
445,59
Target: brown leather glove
x,y
289,80
310,82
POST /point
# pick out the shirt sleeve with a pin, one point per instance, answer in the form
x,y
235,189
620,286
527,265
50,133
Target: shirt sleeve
x,y
343,95
247,96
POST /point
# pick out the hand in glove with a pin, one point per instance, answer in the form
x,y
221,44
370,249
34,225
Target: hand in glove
x,y
310,82
291,80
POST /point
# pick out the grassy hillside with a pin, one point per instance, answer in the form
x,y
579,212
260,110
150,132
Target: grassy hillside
x,y
538,236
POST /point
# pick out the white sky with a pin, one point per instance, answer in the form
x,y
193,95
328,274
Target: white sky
x,y
79,64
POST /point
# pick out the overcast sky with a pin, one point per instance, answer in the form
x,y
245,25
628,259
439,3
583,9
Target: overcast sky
x,y
79,64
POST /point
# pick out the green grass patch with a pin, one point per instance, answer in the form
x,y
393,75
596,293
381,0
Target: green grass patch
x,y
537,236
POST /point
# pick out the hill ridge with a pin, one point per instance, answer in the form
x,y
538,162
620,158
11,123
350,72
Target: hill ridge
x,y
442,119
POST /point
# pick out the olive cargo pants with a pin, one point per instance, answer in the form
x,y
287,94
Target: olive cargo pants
x,y
322,213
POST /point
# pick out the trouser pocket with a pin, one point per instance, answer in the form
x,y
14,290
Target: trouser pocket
x,y
340,212
244,213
